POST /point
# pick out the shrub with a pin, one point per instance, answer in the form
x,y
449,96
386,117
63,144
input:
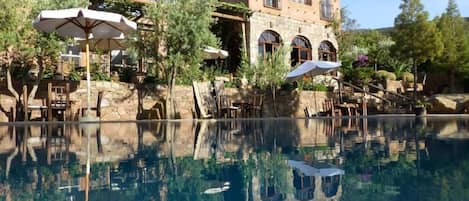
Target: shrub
x,y
407,77
385,75
99,76
74,76
189,74
310,86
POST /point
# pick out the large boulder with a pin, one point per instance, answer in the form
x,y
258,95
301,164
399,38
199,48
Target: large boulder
x,y
442,105
450,103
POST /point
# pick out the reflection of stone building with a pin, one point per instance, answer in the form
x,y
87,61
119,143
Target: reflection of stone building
x,y
316,187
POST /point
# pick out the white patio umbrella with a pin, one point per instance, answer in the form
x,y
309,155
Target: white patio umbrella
x,y
107,44
82,23
312,68
214,53
114,43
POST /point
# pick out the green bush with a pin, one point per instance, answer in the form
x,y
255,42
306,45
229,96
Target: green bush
x,y
209,73
74,76
361,75
310,86
385,75
99,76
187,75
48,73
407,77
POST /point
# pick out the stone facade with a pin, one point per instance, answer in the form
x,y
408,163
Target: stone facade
x,y
288,29
121,100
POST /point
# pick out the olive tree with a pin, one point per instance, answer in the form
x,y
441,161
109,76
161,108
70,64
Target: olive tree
x,y
22,46
181,29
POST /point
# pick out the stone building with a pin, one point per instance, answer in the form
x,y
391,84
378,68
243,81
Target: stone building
x,y
304,25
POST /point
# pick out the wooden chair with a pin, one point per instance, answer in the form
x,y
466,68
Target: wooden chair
x,y
96,108
226,109
330,110
255,105
58,102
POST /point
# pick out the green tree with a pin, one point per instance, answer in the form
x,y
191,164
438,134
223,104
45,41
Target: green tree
x,y
456,45
416,38
271,72
345,29
183,28
23,47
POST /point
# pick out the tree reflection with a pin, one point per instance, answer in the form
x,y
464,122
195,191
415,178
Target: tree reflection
x,y
392,160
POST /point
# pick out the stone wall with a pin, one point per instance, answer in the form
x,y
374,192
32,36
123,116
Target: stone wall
x,y
120,101
294,10
288,29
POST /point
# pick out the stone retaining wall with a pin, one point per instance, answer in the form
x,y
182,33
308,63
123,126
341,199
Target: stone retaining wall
x,y
120,101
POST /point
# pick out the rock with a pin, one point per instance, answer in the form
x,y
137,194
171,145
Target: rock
x,y
450,103
442,104
448,129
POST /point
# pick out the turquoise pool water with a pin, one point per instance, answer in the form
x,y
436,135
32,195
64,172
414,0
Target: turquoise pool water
x,y
388,158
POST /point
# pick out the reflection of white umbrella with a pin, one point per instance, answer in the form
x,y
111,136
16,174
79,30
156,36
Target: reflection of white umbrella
x,y
80,22
214,53
308,170
312,68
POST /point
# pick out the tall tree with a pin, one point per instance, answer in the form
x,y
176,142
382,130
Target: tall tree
x,y
185,31
455,42
415,37
21,46
272,71
345,29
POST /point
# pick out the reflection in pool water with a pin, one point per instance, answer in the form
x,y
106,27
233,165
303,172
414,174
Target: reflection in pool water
x,y
276,159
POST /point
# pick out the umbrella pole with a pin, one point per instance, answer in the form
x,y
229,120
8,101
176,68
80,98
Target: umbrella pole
x,y
110,56
88,77
88,163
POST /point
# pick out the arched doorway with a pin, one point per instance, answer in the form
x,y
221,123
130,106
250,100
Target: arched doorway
x,y
301,50
327,51
269,41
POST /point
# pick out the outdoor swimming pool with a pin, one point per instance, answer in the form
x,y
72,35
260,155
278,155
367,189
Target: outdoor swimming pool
x,y
382,158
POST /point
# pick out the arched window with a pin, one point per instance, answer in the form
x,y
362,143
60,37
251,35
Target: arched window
x,y
269,41
327,51
301,50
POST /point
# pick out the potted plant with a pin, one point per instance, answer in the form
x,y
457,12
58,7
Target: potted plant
x,y
420,108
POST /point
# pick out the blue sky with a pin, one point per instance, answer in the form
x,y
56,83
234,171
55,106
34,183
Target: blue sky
x,y
381,13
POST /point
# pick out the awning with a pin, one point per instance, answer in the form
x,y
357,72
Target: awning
x,y
214,53
312,68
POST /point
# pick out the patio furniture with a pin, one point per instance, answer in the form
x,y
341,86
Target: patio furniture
x,y
58,102
350,108
330,110
254,109
226,108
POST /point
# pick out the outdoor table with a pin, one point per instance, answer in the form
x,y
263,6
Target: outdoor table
x,y
349,107
41,108
244,106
